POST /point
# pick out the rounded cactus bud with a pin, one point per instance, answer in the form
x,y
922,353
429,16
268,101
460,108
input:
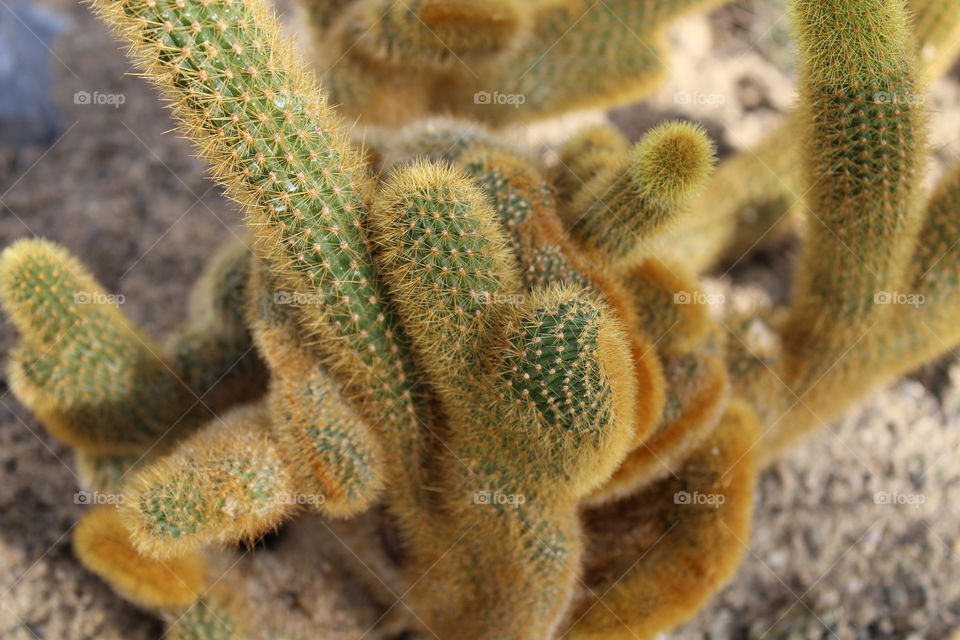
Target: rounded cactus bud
x,y
752,200
565,374
671,162
447,262
641,191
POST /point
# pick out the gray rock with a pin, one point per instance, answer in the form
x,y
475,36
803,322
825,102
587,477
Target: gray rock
x,y
27,115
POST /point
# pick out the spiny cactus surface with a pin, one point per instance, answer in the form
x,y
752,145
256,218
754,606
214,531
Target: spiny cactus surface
x,y
498,383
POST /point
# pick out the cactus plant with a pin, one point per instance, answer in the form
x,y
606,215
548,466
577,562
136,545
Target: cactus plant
x,y
390,61
491,379
756,196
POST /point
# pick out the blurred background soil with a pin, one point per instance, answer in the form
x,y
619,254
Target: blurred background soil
x,y
126,195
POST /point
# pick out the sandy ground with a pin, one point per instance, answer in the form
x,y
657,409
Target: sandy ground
x,y
825,560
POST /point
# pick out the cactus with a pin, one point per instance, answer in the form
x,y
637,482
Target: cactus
x,y
211,618
865,133
697,394
670,305
585,154
755,197
104,545
484,59
496,377
94,379
227,482
701,511
214,351
432,34
637,194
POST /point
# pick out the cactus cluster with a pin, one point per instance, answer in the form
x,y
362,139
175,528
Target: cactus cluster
x,y
499,61
496,380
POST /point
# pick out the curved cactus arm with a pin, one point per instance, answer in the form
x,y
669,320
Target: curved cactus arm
x,y
91,377
654,558
864,138
864,134
756,195
274,143
227,483
921,326
641,192
103,545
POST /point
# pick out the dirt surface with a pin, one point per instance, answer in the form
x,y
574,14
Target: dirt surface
x,y
825,560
